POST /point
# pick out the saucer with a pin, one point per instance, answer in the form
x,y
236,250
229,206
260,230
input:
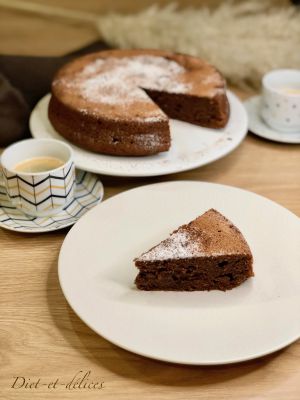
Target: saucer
x,y
260,128
89,192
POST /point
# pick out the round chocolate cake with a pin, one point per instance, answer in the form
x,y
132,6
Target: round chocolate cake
x,y
119,101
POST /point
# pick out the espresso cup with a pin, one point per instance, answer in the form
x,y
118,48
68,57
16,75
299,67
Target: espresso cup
x,y
281,100
43,193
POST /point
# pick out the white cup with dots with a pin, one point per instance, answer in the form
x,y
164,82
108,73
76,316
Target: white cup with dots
x,y
281,100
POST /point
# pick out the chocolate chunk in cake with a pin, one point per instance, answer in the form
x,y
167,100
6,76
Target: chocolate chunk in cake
x,y
208,253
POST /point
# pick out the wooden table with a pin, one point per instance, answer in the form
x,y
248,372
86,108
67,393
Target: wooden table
x,y
42,338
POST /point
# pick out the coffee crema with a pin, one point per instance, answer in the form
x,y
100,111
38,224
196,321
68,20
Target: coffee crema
x,y
38,164
288,90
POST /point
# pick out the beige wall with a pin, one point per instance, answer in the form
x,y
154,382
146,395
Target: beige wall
x,y
25,33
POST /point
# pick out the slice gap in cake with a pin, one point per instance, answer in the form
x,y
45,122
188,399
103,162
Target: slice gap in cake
x,y
206,254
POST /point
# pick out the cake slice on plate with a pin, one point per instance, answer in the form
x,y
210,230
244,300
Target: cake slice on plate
x,y
208,253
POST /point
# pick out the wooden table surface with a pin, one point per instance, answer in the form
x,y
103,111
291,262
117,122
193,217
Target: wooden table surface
x,y
42,340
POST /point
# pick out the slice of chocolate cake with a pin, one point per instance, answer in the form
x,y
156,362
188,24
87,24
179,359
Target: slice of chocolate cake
x,y
208,253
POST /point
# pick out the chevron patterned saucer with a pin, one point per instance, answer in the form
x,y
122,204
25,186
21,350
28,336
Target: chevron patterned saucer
x,y
89,192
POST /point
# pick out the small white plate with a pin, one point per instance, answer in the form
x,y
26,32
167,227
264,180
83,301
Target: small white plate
x,y
260,128
192,146
88,193
96,273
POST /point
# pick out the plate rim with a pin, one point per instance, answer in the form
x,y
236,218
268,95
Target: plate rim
x,y
268,351
251,103
232,97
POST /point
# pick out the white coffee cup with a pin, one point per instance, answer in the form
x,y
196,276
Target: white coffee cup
x,y
43,193
281,100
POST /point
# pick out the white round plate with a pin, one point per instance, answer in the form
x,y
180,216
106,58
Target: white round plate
x,y
260,128
88,193
192,146
96,273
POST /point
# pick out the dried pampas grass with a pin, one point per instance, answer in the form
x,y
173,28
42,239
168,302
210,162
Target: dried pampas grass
x,y
244,39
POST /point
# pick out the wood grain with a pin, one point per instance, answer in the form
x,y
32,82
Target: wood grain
x,y
41,337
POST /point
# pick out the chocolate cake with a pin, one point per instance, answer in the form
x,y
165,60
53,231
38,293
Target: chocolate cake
x,y
208,253
119,101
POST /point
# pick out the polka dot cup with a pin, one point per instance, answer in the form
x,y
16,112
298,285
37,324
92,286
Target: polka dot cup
x,y
281,100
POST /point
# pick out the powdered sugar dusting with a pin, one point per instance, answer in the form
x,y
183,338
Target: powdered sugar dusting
x,y
148,140
151,118
153,115
120,80
178,245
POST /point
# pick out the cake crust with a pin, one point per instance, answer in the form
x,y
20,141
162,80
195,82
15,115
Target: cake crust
x,y
118,101
208,253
